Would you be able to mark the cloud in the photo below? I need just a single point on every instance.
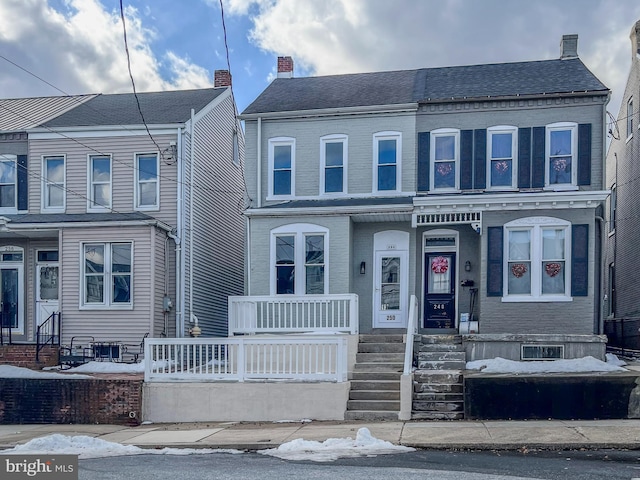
(81, 50)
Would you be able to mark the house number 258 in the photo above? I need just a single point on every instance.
(391, 318)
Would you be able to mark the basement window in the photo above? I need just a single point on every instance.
(542, 352)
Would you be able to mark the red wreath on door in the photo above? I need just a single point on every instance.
(439, 265)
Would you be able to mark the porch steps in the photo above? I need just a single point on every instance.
(375, 381)
(438, 381)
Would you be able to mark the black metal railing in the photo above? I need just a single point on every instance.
(623, 335)
(48, 333)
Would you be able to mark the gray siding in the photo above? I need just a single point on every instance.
(13, 143)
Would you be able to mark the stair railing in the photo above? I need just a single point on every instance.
(48, 332)
(412, 329)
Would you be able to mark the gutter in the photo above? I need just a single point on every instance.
(323, 112)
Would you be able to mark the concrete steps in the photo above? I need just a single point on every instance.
(438, 381)
(375, 381)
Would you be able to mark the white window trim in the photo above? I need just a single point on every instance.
(136, 183)
(337, 138)
(43, 191)
(90, 202)
(574, 156)
(536, 225)
(444, 132)
(514, 156)
(14, 158)
(630, 119)
(108, 303)
(277, 141)
(388, 135)
(298, 230)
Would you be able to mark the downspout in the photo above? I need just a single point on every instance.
(176, 239)
(599, 320)
(259, 163)
(192, 318)
(248, 257)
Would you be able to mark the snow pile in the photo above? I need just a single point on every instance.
(334, 448)
(573, 365)
(108, 367)
(90, 447)
(614, 360)
(9, 371)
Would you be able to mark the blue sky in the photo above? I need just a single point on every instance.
(77, 45)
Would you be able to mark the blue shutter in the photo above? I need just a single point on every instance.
(23, 198)
(480, 158)
(538, 157)
(423, 161)
(584, 154)
(580, 260)
(466, 159)
(524, 157)
(495, 249)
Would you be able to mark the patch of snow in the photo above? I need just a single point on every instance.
(573, 365)
(90, 447)
(108, 367)
(334, 448)
(304, 420)
(10, 371)
(614, 360)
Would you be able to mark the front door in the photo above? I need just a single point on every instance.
(440, 290)
(12, 289)
(47, 291)
(391, 278)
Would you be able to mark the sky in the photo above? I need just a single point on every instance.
(53, 47)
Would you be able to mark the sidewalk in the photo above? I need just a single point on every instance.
(477, 435)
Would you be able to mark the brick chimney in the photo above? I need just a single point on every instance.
(635, 40)
(285, 67)
(569, 47)
(221, 78)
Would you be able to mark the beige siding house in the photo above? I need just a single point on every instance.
(124, 220)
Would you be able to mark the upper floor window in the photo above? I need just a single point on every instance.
(299, 260)
(53, 183)
(333, 164)
(282, 167)
(630, 118)
(147, 186)
(501, 146)
(445, 159)
(8, 191)
(387, 148)
(107, 275)
(536, 253)
(561, 154)
(99, 182)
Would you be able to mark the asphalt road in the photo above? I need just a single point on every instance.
(432, 465)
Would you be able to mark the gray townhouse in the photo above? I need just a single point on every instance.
(622, 214)
(474, 188)
(121, 217)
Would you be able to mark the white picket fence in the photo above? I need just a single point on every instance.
(290, 357)
(290, 314)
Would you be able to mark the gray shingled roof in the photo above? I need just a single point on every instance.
(121, 109)
(18, 114)
(427, 84)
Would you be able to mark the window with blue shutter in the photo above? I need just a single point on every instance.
(580, 260)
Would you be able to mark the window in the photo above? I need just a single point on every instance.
(630, 118)
(282, 167)
(611, 290)
(445, 156)
(107, 275)
(501, 146)
(99, 182)
(561, 154)
(386, 152)
(613, 201)
(536, 253)
(147, 187)
(299, 260)
(53, 183)
(8, 191)
(333, 157)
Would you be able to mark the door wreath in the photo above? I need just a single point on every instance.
(439, 265)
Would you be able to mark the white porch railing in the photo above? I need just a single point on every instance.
(412, 329)
(291, 314)
(294, 357)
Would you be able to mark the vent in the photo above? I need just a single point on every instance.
(454, 218)
(542, 352)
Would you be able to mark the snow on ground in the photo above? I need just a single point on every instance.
(9, 371)
(614, 360)
(573, 365)
(90, 447)
(108, 367)
(333, 448)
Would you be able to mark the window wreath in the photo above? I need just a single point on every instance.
(518, 270)
(552, 268)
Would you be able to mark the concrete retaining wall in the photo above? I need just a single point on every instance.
(250, 401)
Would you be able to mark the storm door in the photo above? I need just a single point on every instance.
(11, 289)
(391, 275)
(440, 282)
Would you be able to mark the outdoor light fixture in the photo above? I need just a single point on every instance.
(363, 268)
(467, 266)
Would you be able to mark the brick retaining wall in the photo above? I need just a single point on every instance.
(24, 355)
